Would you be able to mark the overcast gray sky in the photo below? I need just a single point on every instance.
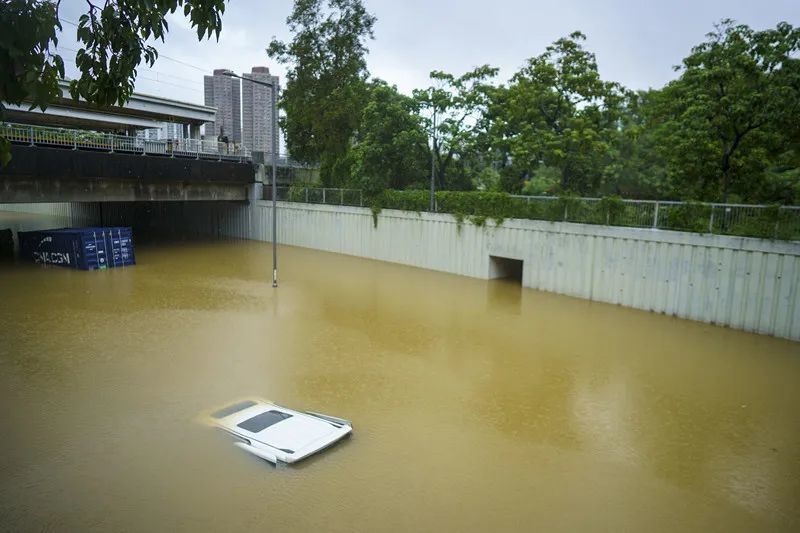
(636, 42)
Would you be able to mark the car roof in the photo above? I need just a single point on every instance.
(237, 413)
(296, 429)
(298, 434)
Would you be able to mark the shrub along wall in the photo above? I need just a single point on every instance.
(477, 207)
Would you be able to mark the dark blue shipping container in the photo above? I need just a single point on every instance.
(82, 248)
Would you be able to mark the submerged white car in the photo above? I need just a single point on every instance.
(278, 434)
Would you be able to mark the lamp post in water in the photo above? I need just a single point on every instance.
(433, 162)
(274, 128)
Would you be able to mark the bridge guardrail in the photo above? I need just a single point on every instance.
(746, 220)
(90, 140)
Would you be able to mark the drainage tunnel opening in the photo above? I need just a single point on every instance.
(505, 268)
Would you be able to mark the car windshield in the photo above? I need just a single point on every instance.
(262, 421)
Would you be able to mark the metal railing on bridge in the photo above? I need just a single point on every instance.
(90, 140)
(764, 221)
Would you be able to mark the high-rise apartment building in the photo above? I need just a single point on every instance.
(257, 110)
(224, 93)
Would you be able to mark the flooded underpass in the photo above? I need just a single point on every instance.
(477, 405)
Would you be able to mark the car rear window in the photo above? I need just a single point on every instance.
(235, 408)
(263, 421)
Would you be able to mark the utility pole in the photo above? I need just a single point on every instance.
(274, 185)
(433, 162)
(274, 128)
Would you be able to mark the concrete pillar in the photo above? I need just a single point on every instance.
(262, 173)
(260, 177)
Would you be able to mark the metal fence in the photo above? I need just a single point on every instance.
(283, 161)
(90, 140)
(767, 221)
(315, 195)
(764, 221)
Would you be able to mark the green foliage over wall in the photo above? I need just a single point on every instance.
(405, 200)
(691, 216)
(477, 207)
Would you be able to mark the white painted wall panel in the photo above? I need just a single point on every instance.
(749, 284)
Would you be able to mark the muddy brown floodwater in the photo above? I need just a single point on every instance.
(477, 406)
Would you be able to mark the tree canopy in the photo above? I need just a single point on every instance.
(729, 117)
(326, 85)
(390, 149)
(453, 108)
(557, 113)
(725, 129)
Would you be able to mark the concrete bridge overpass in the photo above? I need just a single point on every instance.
(105, 161)
(53, 174)
(101, 158)
(142, 111)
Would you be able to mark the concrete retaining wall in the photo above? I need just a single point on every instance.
(744, 283)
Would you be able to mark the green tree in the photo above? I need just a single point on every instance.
(326, 82)
(732, 113)
(113, 42)
(636, 169)
(559, 113)
(390, 149)
(29, 70)
(455, 107)
(487, 179)
(542, 181)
